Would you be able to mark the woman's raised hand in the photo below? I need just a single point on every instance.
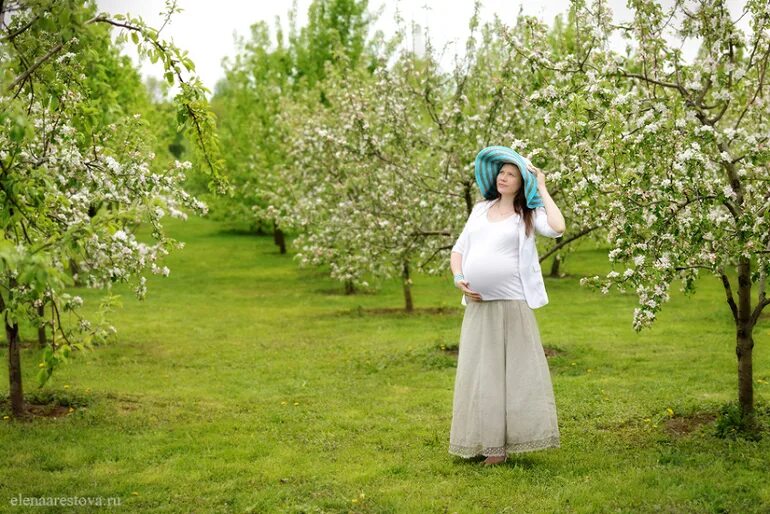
(539, 174)
(473, 295)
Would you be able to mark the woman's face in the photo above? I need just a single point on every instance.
(509, 179)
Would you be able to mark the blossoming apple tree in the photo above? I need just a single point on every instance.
(382, 175)
(77, 172)
(680, 149)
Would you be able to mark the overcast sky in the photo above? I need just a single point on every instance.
(207, 29)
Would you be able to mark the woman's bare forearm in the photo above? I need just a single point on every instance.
(555, 217)
(456, 263)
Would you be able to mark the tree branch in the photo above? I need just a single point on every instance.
(565, 242)
(729, 294)
(172, 64)
(669, 85)
(18, 31)
(758, 310)
(762, 299)
(759, 88)
(431, 233)
(24, 76)
(433, 256)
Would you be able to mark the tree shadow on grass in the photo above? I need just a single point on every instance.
(395, 312)
(336, 291)
(238, 231)
(515, 460)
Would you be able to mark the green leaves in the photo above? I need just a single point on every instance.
(18, 127)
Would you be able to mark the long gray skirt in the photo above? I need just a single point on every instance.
(503, 396)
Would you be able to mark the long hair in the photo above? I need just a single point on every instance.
(519, 201)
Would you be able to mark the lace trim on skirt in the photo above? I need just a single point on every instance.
(528, 446)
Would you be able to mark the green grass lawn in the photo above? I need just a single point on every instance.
(246, 384)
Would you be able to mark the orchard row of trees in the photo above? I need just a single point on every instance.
(368, 157)
(363, 151)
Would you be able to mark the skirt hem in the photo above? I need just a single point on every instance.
(468, 452)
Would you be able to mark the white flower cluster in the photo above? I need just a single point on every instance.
(83, 182)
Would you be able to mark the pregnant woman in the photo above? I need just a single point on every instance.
(503, 397)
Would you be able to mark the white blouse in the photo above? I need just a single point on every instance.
(490, 251)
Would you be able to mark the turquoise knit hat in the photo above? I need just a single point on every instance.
(487, 164)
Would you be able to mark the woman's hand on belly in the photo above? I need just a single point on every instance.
(473, 295)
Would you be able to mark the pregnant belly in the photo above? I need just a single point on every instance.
(493, 278)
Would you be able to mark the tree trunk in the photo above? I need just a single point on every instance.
(349, 287)
(41, 340)
(278, 238)
(407, 288)
(743, 349)
(14, 370)
(558, 260)
(14, 362)
(73, 266)
(745, 339)
(468, 195)
(555, 265)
